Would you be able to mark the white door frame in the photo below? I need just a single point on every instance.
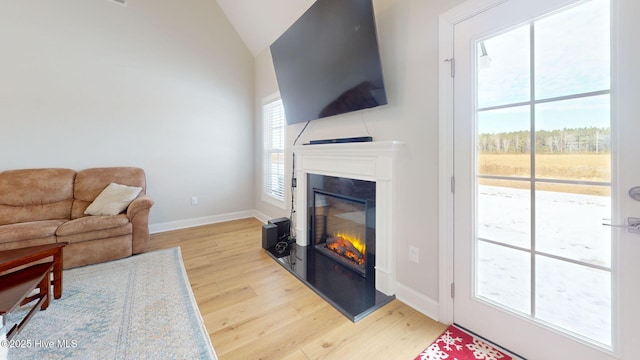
(448, 21)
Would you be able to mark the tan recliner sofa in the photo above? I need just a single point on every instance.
(43, 206)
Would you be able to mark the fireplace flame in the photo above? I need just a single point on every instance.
(354, 240)
(348, 246)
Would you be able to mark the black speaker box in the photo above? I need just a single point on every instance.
(283, 227)
(269, 236)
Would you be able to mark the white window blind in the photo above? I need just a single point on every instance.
(274, 133)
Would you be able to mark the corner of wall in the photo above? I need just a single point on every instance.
(418, 301)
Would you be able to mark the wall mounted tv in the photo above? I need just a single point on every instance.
(328, 63)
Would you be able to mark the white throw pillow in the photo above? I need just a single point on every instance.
(113, 199)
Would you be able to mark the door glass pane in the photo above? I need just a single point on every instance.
(503, 68)
(504, 212)
(574, 297)
(573, 139)
(504, 142)
(572, 51)
(569, 224)
(504, 276)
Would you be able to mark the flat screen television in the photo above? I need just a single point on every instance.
(328, 63)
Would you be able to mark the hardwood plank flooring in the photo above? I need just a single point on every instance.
(255, 309)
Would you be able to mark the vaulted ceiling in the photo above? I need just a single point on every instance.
(261, 22)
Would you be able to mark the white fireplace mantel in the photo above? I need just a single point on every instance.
(372, 161)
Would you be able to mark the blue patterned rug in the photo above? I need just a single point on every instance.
(140, 307)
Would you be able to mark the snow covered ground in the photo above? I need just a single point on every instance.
(568, 295)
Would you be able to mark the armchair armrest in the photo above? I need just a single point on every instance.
(142, 202)
(138, 214)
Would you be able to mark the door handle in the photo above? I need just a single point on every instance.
(633, 225)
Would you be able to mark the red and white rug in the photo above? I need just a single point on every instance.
(456, 344)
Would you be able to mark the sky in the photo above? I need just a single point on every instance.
(572, 56)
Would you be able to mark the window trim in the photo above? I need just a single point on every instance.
(266, 150)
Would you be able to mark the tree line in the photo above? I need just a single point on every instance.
(561, 141)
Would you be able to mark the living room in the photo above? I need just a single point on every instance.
(173, 88)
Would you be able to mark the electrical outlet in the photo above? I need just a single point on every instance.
(194, 200)
(414, 254)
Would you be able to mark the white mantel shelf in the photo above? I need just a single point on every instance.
(372, 161)
(364, 147)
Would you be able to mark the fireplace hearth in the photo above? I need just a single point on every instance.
(346, 290)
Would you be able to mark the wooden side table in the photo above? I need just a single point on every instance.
(11, 259)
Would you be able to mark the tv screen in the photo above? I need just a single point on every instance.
(327, 63)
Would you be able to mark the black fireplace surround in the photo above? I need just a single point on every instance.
(340, 211)
(343, 213)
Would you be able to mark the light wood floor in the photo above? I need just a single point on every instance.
(255, 309)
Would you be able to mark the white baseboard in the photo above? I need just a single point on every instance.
(206, 220)
(418, 301)
(261, 216)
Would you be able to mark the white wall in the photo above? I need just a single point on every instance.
(408, 37)
(163, 85)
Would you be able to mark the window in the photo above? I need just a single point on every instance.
(274, 135)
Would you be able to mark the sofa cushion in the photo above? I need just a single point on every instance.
(113, 200)
(29, 230)
(35, 194)
(125, 231)
(91, 223)
(89, 184)
(90, 228)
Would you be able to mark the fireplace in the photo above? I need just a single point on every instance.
(371, 161)
(351, 185)
(342, 224)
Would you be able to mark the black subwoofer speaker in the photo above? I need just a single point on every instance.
(269, 236)
(283, 227)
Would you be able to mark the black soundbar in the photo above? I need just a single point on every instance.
(341, 140)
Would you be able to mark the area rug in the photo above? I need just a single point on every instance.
(141, 307)
(456, 344)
